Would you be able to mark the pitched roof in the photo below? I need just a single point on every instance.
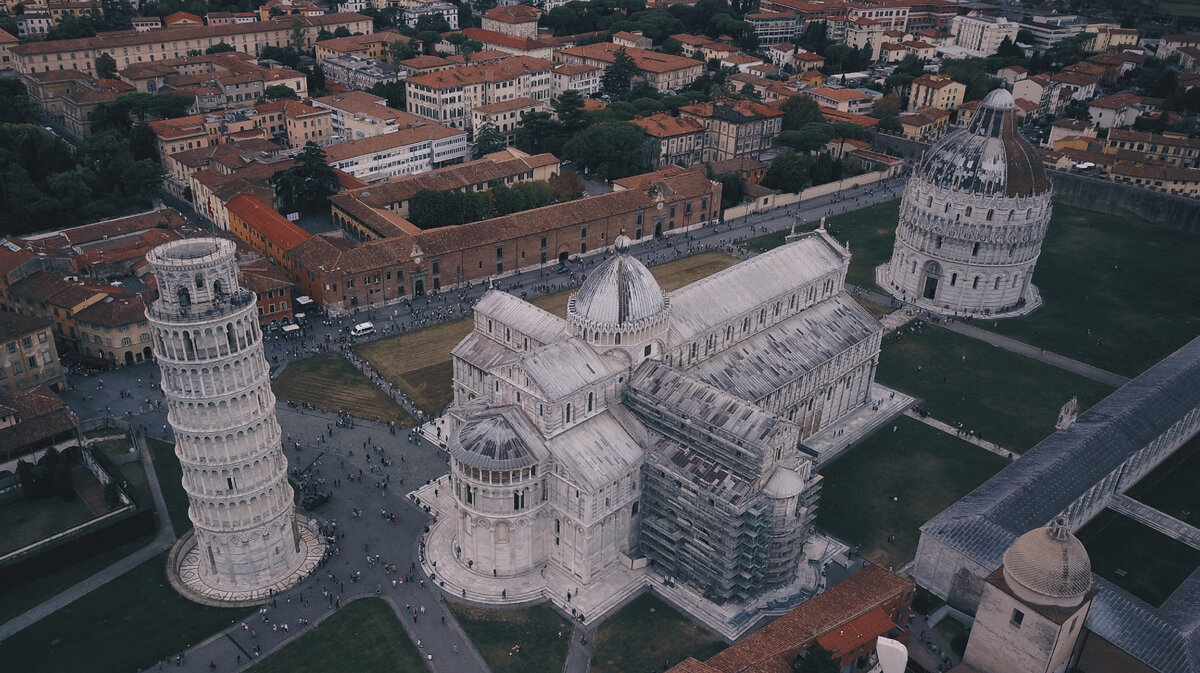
(650, 61)
(493, 71)
(663, 125)
(389, 141)
(513, 14)
(275, 228)
(14, 325)
(41, 413)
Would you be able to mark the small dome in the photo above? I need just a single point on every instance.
(620, 291)
(990, 157)
(495, 440)
(1051, 564)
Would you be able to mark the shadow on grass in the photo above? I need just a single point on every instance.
(541, 634)
(647, 633)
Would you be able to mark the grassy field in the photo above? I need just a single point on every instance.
(647, 633)
(364, 637)
(870, 232)
(1171, 487)
(1114, 295)
(535, 629)
(170, 481)
(1004, 397)
(925, 469)
(128, 624)
(419, 361)
(27, 521)
(1137, 558)
(330, 381)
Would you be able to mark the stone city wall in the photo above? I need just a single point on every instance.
(784, 199)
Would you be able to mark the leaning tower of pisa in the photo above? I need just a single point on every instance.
(247, 539)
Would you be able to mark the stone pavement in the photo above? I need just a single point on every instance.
(849, 431)
(951, 430)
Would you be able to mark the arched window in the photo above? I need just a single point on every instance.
(618, 338)
(968, 211)
(199, 282)
(975, 250)
(591, 399)
(185, 297)
(990, 214)
(938, 242)
(997, 284)
(953, 279)
(568, 412)
(975, 283)
(218, 291)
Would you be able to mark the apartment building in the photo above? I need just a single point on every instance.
(1171, 148)
(68, 97)
(735, 128)
(773, 27)
(412, 149)
(28, 357)
(680, 139)
(505, 116)
(863, 32)
(115, 329)
(271, 286)
(1111, 37)
(358, 114)
(263, 229)
(936, 91)
(852, 101)
(662, 71)
(215, 80)
(982, 33)
(515, 20)
(413, 13)
(375, 46)
(448, 96)
(574, 76)
(355, 71)
(130, 47)
(292, 122)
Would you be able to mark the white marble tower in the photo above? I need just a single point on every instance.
(247, 540)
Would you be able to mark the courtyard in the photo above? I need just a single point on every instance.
(649, 634)
(1171, 487)
(533, 639)
(419, 362)
(1137, 558)
(1004, 397)
(893, 482)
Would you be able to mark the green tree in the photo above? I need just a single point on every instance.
(788, 172)
(1077, 109)
(817, 659)
(539, 132)
(298, 39)
(392, 91)
(402, 50)
(612, 150)
(25, 475)
(8, 25)
(220, 48)
(520, 197)
(815, 36)
(566, 186)
(799, 111)
(106, 66)
(671, 46)
(434, 22)
(568, 108)
(279, 91)
(488, 139)
(429, 40)
(618, 76)
(341, 31)
(15, 105)
(430, 209)
(811, 137)
(733, 189)
(308, 185)
(63, 483)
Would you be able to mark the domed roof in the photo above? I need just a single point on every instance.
(497, 439)
(1049, 562)
(620, 291)
(990, 157)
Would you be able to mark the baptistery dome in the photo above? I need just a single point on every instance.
(972, 220)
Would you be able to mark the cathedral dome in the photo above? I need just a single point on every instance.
(500, 439)
(620, 291)
(1049, 566)
(989, 157)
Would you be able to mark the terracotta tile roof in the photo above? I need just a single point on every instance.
(691, 665)
(55, 288)
(275, 228)
(934, 81)
(425, 62)
(650, 61)
(12, 255)
(493, 71)
(114, 312)
(176, 17)
(15, 325)
(1118, 135)
(736, 111)
(513, 14)
(42, 414)
(846, 638)
(855, 596)
(1155, 171)
(506, 40)
(261, 275)
(495, 166)
(1073, 78)
(831, 115)
(389, 141)
(663, 125)
(573, 68)
(369, 105)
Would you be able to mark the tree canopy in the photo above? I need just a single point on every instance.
(308, 185)
(618, 76)
(488, 139)
(612, 150)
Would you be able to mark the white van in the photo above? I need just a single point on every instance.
(362, 328)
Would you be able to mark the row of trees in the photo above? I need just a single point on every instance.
(50, 475)
(793, 172)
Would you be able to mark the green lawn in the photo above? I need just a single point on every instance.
(926, 469)
(364, 637)
(330, 381)
(1004, 397)
(1137, 558)
(1121, 320)
(647, 633)
(27, 521)
(29, 596)
(130, 623)
(170, 481)
(1171, 487)
(870, 233)
(536, 629)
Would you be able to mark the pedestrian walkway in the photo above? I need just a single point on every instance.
(1039, 354)
(951, 430)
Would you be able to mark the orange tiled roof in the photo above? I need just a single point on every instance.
(663, 125)
(275, 228)
(842, 640)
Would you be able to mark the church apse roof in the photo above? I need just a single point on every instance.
(597, 452)
(564, 367)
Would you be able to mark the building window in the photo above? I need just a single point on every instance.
(975, 250)
(499, 252)
(1017, 617)
(953, 279)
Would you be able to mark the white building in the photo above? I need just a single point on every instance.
(355, 71)
(446, 10)
(982, 33)
(358, 114)
(972, 220)
(582, 78)
(448, 96)
(506, 116)
(413, 149)
(247, 540)
(580, 443)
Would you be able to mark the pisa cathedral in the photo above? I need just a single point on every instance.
(248, 539)
(654, 426)
(972, 220)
